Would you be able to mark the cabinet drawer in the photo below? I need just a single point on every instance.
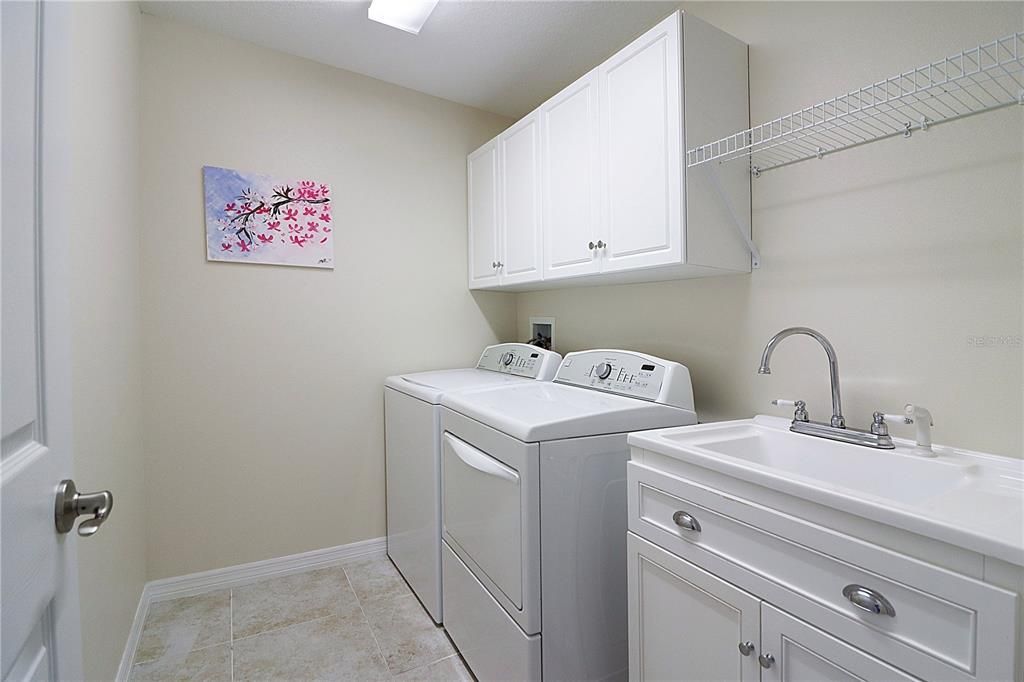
(939, 617)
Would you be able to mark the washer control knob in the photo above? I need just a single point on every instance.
(604, 370)
(507, 358)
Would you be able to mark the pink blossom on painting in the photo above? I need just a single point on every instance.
(265, 238)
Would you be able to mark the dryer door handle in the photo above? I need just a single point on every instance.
(479, 460)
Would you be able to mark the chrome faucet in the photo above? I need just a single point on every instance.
(877, 437)
(833, 366)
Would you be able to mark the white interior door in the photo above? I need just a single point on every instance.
(40, 637)
(569, 195)
(641, 151)
(519, 158)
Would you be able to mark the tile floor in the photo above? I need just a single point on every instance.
(356, 620)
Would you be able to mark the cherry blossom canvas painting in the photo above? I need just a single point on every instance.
(254, 218)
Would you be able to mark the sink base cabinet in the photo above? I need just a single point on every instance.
(682, 618)
(687, 624)
(711, 570)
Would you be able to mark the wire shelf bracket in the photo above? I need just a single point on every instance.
(980, 79)
(742, 226)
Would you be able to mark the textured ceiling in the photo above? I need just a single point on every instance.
(498, 55)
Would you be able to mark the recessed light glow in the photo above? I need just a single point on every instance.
(407, 15)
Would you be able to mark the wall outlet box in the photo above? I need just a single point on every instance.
(543, 326)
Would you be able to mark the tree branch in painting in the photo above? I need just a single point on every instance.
(254, 216)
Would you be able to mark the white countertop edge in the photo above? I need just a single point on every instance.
(875, 510)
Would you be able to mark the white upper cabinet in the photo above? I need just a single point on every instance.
(641, 151)
(482, 172)
(519, 255)
(615, 203)
(569, 134)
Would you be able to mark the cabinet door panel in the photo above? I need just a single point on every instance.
(641, 152)
(570, 171)
(684, 623)
(482, 172)
(804, 653)
(519, 158)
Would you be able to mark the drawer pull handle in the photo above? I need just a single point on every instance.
(746, 648)
(684, 520)
(868, 600)
(766, 660)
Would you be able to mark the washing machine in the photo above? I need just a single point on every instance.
(534, 514)
(412, 442)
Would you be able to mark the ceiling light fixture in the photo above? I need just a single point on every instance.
(407, 15)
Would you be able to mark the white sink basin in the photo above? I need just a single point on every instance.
(885, 474)
(971, 498)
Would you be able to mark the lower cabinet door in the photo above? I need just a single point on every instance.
(686, 624)
(798, 652)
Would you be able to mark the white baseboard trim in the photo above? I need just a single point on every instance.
(234, 576)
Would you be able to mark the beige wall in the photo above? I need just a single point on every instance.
(900, 252)
(262, 392)
(106, 343)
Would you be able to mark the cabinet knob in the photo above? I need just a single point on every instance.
(766, 660)
(494, 264)
(868, 600)
(685, 520)
(601, 244)
(746, 648)
(592, 246)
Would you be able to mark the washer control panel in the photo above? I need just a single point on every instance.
(613, 371)
(519, 359)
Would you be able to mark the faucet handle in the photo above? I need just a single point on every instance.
(800, 412)
(897, 418)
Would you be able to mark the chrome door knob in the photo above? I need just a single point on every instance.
(746, 648)
(71, 504)
(604, 370)
(766, 660)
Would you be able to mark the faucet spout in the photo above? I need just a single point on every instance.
(838, 420)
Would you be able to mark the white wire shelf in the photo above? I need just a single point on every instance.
(983, 78)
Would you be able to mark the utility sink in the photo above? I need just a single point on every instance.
(884, 474)
(955, 494)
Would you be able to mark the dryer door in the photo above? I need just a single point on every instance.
(489, 506)
(483, 514)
